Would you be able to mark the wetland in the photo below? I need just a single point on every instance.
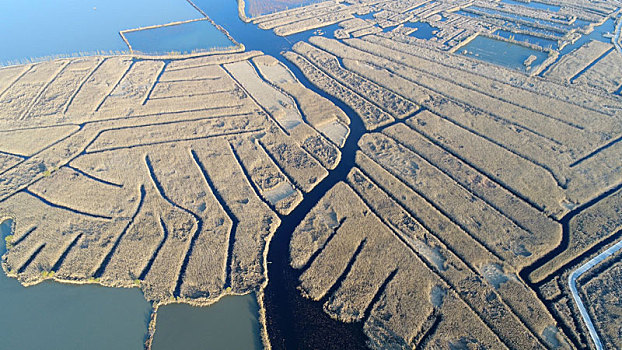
(287, 192)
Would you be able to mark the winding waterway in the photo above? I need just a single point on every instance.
(294, 322)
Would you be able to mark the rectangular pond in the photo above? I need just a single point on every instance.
(511, 24)
(183, 38)
(501, 53)
(41, 28)
(230, 323)
(513, 16)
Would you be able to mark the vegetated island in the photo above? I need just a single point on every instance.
(169, 176)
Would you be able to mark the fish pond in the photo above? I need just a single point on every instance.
(182, 38)
(502, 53)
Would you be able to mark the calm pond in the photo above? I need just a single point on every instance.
(52, 315)
(184, 38)
(231, 323)
(501, 53)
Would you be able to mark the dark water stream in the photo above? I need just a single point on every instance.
(294, 322)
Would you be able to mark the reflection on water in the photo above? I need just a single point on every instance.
(501, 53)
(51, 315)
(231, 323)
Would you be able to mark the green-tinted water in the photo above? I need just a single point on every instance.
(57, 316)
(231, 323)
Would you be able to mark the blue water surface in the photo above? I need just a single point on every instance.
(534, 5)
(184, 38)
(231, 323)
(531, 39)
(36, 29)
(424, 30)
